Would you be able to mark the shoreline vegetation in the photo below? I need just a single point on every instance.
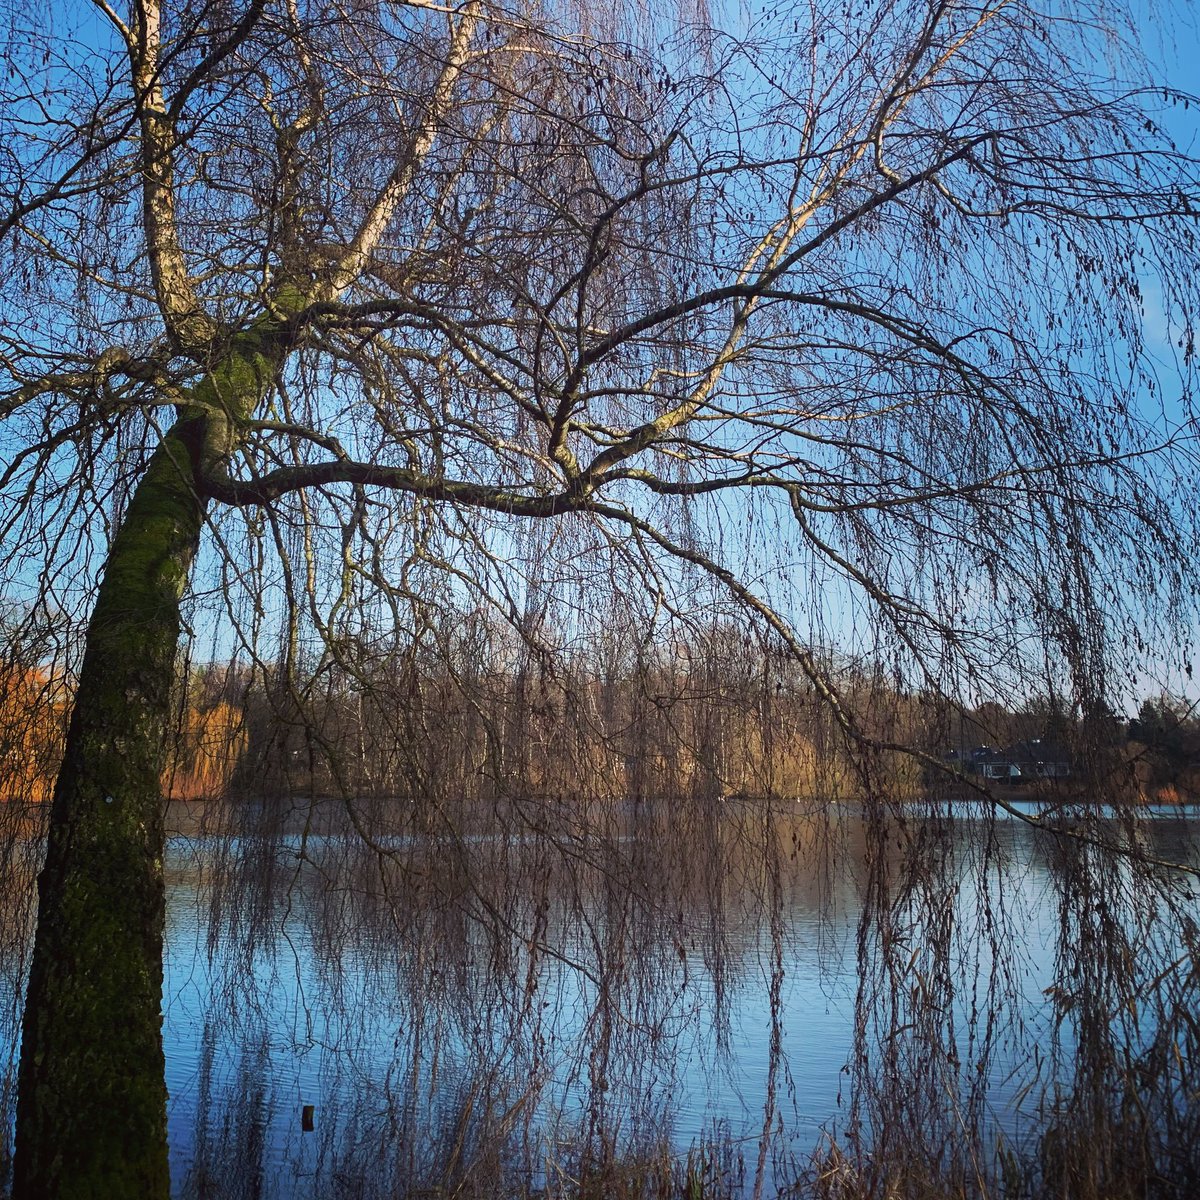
(708, 720)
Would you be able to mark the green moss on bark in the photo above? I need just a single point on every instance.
(92, 1099)
(91, 1115)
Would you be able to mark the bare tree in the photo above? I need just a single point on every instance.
(831, 317)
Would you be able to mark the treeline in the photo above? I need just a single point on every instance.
(486, 713)
(35, 704)
(480, 712)
(1164, 749)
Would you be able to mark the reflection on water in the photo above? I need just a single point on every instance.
(522, 1000)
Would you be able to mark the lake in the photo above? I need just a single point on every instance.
(524, 1000)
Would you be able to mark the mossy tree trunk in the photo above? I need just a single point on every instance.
(91, 1110)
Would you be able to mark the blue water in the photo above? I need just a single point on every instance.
(695, 986)
(319, 1009)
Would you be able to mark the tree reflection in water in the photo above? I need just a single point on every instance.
(616, 999)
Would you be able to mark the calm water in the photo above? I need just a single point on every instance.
(490, 1002)
(650, 1020)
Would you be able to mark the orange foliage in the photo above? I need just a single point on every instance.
(209, 747)
(32, 707)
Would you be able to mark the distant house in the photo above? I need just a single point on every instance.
(996, 765)
(1041, 760)
(1022, 762)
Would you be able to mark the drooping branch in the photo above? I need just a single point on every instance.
(827, 688)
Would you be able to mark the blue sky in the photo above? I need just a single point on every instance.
(1170, 36)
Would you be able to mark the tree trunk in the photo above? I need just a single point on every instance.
(91, 1104)
(91, 1114)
